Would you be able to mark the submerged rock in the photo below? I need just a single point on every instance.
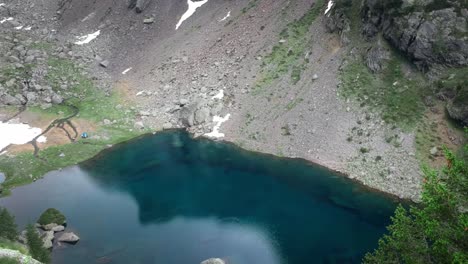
(213, 261)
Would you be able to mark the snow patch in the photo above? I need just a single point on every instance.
(18, 134)
(88, 17)
(329, 7)
(219, 121)
(192, 7)
(27, 28)
(126, 70)
(224, 18)
(219, 95)
(6, 19)
(87, 38)
(19, 27)
(2, 4)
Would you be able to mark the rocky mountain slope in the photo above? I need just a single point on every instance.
(280, 77)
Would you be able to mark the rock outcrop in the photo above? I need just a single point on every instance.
(428, 32)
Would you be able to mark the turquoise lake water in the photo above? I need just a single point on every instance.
(170, 199)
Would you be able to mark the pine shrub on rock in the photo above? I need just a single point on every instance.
(7, 225)
(36, 247)
(52, 215)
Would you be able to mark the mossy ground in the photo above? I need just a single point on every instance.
(290, 56)
(93, 104)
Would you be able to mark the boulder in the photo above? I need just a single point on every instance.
(68, 237)
(141, 5)
(49, 227)
(58, 228)
(139, 125)
(458, 110)
(47, 239)
(213, 261)
(187, 114)
(202, 115)
(376, 57)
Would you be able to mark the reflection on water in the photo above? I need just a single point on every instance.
(170, 199)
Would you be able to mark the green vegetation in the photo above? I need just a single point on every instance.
(8, 261)
(52, 215)
(93, 104)
(8, 244)
(250, 5)
(397, 97)
(437, 230)
(36, 247)
(7, 225)
(289, 56)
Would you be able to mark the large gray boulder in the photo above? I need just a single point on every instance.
(376, 58)
(69, 237)
(47, 239)
(458, 110)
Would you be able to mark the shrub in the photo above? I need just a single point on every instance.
(52, 215)
(7, 225)
(36, 247)
(6, 260)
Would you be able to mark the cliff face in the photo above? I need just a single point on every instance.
(432, 34)
(429, 32)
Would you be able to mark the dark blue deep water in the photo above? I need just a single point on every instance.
(170, 199)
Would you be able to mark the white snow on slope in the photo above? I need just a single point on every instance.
(18, 134)
(219, 121)
(87, 38)
(5, 20)
(126, 70)
(219, 95)
(224, 18)
(192, 7)
(329, 7)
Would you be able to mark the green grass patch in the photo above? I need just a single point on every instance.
(4, 243)
(397, 97)
(290, 56)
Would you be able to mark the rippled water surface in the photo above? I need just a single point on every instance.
(170, 199)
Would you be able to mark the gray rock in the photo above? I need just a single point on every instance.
(376, 58)
(49, 227)
(106, 122)
(434, 151)
(149, 20)
(29, 59)
(139, 125)
(213, 261)
(187, 114)
(202, 115)
(141, 5)
(69, 237)
(58, 228)
(167, 126)
(104, 63)
(183, 102)
(145, 113)
(314, 77)
(13, 59)
(458, 109)
(47, 239)
(31, 96)
(57, 99)
(7, 99)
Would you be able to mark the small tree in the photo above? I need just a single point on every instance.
(436, 231)
(36, 247)
(7, 225)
